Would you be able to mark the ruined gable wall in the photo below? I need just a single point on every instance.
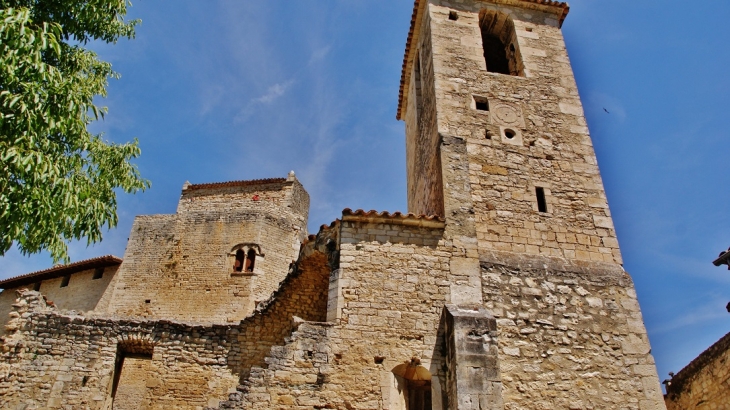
(552, 150)
(184, 265)
(705, 382)
(145, 258)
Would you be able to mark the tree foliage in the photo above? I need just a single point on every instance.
(58, 181)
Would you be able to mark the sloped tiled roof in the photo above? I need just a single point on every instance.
(415, 18)
(237, 183)
(59, 271)
(396, 217)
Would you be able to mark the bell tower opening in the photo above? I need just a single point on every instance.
(499, 42)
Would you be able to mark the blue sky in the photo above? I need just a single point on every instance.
(224, 90)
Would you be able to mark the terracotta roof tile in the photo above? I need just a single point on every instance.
(387, 215)
(236, 183)
(417, 4)
(60, 270)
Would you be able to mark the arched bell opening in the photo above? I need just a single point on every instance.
(499, 40)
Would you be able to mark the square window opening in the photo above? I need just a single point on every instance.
(98, 273)
(65, 280)
(481, 103)
(453, 15)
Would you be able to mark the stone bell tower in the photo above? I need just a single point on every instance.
(497, 144)
(496, 136)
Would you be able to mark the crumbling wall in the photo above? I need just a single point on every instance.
(54, 360)
(705, 382)
(303, 294)
(392, 288)
(50, 360)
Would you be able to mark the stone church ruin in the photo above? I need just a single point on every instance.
(501, 288)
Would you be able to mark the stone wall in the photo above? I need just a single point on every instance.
(181, 266)
(392, 289)
(52, 360)
(705, 382)
(550, 147)
(425, 188)
(570, 335)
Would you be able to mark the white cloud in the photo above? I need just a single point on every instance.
(274, 92)
(319, 54)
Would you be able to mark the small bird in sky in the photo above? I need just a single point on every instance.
(604, 109)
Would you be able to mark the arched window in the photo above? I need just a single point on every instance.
(416, 386)
(499, 41)
(243, 257)
(250, 259)
(240, 259)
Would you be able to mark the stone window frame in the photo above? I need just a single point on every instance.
(246, 248)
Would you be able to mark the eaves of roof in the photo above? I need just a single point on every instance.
(59, 271)
(236, 183)
(561, 9)
(398, 218)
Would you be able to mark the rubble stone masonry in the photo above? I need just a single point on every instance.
(503, 289)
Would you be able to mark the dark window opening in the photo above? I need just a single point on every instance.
(240, 258)
(147, 300)
(481, 103)
(541, 202)
(509, 134)
(250, 259)
(98, 273)
(488, 135)
(499, 41)
(65, 280)
(494, 55)
(453, 15)
(37, 287)
(529, 29)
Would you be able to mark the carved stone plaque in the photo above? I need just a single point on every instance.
(507, 114)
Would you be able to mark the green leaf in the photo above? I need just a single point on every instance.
(58, 182)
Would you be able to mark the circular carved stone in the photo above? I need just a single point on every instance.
(506, 114)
